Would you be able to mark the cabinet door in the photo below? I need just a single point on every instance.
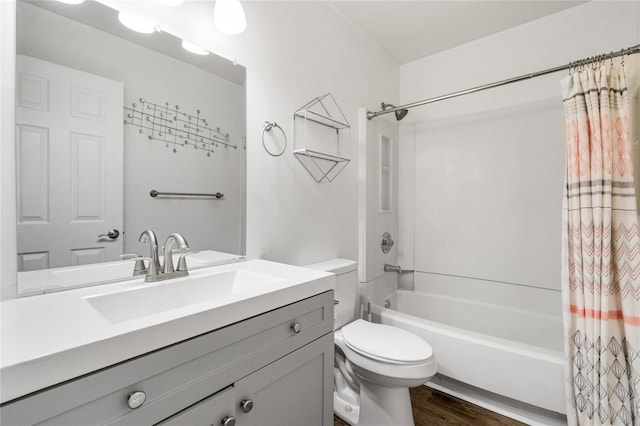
(295, 390)
(211, 411)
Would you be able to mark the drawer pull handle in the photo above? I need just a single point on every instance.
(229, 421)
(136, 399)
(296, 327)
(246, 405)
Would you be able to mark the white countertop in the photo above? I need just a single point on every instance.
(43, 281)
(50, 338)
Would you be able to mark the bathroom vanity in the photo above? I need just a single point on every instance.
(260, 356)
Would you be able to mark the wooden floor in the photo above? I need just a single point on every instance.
(434, 408)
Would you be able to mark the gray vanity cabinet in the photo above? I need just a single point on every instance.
(272, 369)
(290, 391)
(287, 392)
(218, 409)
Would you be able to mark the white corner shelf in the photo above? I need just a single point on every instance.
(319, 143)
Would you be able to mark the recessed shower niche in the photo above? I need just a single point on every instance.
(386, 169)
(321, 138)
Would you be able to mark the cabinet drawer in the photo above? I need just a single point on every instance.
(291, 391)
(212, 411)
(177, 376)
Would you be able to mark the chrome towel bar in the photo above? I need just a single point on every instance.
(155, 193)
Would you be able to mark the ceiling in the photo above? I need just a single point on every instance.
(410, 30)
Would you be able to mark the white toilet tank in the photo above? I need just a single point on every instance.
(346, 291)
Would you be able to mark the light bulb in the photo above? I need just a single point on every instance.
(193, 48)
(228, 16)
(136, 24)
(171, 3)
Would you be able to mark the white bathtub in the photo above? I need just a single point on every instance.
(511, 352)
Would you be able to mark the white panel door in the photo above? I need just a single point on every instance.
(69, 165)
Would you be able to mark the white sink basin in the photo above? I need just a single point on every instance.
(154, 298)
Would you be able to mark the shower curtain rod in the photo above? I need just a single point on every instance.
(629, 51)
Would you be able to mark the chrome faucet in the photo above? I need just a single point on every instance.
(167, 271)
(167, 267)
(154, 264)
(392, 268)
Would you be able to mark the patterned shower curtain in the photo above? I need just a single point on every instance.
(601, 252)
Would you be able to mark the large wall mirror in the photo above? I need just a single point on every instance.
(106, 115)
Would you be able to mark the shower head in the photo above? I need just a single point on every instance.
(400, 114)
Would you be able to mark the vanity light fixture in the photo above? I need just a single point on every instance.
(136, 24)
(228, 17)
(193, 48)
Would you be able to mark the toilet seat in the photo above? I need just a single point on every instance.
(385, 343)
(377, 366)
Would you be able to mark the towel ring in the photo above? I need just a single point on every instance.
(267, 128)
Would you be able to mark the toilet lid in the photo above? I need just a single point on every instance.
(385, 342)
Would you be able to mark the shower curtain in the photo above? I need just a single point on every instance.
(601, 252)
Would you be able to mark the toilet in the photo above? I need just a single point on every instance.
(374, 364)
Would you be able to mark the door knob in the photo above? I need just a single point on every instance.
(113, 234)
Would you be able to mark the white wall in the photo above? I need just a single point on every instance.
(485, 171)
(377, 216)
(376, 219)
(206, 223)
(309, 51)
(293, 51)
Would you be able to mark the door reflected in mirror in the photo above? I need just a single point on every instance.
(104, 116)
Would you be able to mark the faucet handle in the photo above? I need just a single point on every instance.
(182, 261)
(128, 256)
(139, 268)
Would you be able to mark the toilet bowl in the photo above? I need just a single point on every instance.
(375, 364)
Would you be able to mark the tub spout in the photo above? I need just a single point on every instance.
(392, 268)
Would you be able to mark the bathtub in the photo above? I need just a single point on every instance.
(511, 352)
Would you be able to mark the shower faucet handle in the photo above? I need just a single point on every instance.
(386, 243)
